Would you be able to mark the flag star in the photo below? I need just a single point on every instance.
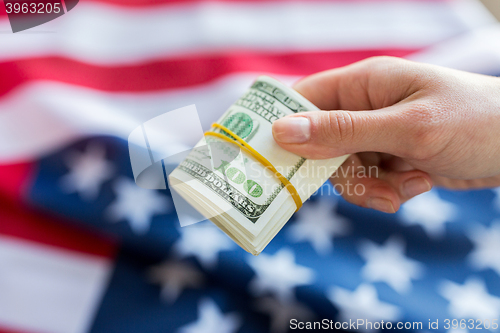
(174, 277)
(281, 313)
(136, 205)
(470, 300)
(486, 253)
(204, 241)
(278, 274)
(319, 224)
(430, 211)
(362, 303)
(212, 320)
(388, 263)
(87, 172)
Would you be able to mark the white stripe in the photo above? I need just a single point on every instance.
(478, 52)
(103, 34)
(43, 289)
(42, 116)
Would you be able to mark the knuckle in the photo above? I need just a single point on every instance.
(381, 61)
(426, 123)
(341, 126)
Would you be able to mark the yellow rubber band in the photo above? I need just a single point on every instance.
(243, 144)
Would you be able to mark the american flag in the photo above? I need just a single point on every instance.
(83, 249)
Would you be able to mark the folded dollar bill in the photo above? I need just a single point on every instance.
(232, 186)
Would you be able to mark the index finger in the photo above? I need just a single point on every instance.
(370, 84)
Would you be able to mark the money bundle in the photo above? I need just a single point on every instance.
(240, 179)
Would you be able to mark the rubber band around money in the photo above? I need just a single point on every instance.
(243, 144)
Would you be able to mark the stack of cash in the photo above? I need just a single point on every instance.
(232, 187)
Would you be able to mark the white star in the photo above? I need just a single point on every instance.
(281, 313)
(174, 277)
(497, 197)
(362, 303)
(136, 205)
(204, 241)
(87, 172)
(388, 263)
(486, 253)
(278, 274)
(318, 224)
(430, 211)
(470, 300)
(212, 320)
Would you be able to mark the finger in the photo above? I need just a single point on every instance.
(360, 189)
(408, 184)
(326, 134)
(395, 163)
(370, 84)
(466, 184)
(372, 187)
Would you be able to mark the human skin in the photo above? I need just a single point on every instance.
(420, 124)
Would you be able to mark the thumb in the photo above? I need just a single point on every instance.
(327, 134)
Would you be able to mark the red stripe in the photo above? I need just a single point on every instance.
(155, 3)
(150, 3)
(142, 3)
(176, 73)
(18, 221)
(8, 330)
(3, 14)
(14, 179)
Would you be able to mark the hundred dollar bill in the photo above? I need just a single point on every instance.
(229, 186)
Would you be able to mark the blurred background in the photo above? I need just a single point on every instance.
(83, 249)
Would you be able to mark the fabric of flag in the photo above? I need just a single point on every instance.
(83, 249)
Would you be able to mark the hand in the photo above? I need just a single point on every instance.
(417, 124)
